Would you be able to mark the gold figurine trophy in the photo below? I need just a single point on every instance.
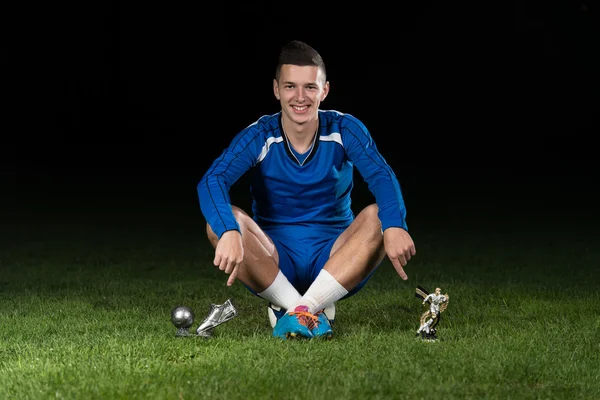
(431, 318)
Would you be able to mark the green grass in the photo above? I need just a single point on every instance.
(85, 302)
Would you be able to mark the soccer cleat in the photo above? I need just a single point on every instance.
(322, 328)
(296, 324)
(330, 312)
(275, 313)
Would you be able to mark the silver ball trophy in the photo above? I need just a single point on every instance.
(182, 317)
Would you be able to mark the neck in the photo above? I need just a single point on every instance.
(299, 131)
(300, 136)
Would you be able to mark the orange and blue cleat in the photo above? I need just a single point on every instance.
(297, 324)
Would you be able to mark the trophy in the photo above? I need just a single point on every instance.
(430, 319)
(217, 315)
(182, 317)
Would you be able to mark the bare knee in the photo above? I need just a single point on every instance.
(371, 223)
(371, 213)
(240, 216)
(212, 236)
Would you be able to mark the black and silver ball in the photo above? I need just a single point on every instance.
(182, 317)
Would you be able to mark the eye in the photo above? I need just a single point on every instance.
(289, 86)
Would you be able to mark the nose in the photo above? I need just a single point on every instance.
(300, 94)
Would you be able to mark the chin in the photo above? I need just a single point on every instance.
(303, 118)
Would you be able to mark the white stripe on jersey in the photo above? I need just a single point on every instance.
(332, 137)
(266, 147)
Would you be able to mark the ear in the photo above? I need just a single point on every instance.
(325, 91)
(276, 89)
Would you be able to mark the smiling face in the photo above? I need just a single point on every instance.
(300, 90)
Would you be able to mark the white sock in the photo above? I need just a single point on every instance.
(281, 293)
(323, 292)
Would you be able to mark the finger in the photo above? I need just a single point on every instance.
(403, 260)
(398, 266)
(402, 274)
(217, 260)
(230, 267)
(223, 265)
(413, 250)
(232, 277)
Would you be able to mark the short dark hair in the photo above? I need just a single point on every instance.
(299, 53)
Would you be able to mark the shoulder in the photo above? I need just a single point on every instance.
(346, 123)
(267, 124)
(258, 132)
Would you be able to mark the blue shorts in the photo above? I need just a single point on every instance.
(303, 253)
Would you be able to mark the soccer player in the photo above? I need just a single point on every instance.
(436, 300)
(303, 249)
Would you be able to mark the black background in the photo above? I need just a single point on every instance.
(472, 105)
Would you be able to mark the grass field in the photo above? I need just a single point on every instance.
(86, 294)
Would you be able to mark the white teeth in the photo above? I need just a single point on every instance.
(300, 108)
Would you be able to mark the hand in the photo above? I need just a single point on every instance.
(229, 254)
(399, 247)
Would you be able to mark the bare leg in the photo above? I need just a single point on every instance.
(260, 265)
(354, 255)
(358, 250)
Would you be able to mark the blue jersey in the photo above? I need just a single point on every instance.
(289, 191)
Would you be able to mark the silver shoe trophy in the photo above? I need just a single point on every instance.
(217, 315)
(182, 317)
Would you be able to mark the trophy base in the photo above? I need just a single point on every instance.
(182, 332)
(205, 334)
(429, 338)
